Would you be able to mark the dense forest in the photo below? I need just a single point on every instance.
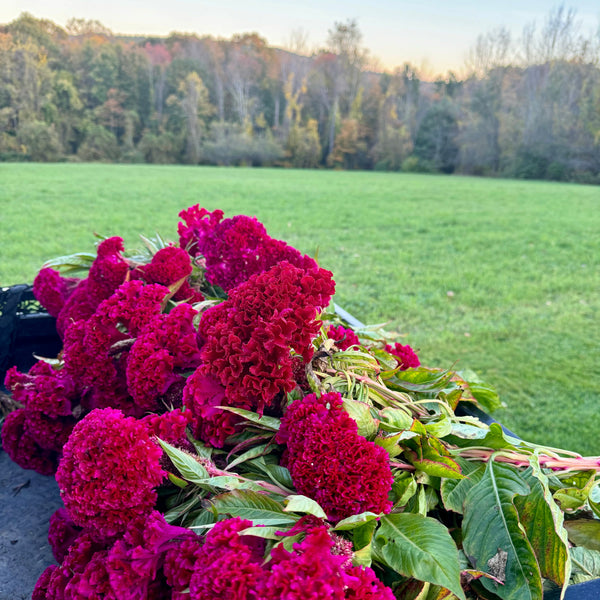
(527, 108)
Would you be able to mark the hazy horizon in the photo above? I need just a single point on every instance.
(432, 35)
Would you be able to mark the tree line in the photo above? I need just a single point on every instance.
(527, 108)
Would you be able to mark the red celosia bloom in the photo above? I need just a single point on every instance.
(248, 338)
(228, 565)
(330, 462)
(62, 533)
(179, 566)
(405, 355)
(170, 426)
(108, 271)
(344, 337)
(362, 584)
(167, 347)
(236, 248)
(51, 290)
(168, 266)
(92, 581)
(108, 472)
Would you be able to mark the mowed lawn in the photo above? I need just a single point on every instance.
(498, 276)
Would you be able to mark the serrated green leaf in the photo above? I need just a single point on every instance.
(270, 423)
(303, 504)
(355, 521)
(584, 532)
(492, 531)
(249, 454)
(419, 547)
(543, 522)
(189, 468)
(258, 508)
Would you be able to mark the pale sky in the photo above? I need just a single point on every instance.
(435, 34)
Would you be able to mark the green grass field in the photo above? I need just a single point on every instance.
(501, 277)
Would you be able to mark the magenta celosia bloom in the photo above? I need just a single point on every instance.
(52, 291)
(248, 338)
(234, 249)
(159, 356)
(170, 426)
(405, 355)
(179, 566)
(135, 562)
(108, 271)
(108, 472)
(228, 565)
(92, 581)
(330, 462)
(362, 584)
(344, 337)
(22, 447)
(40, 590)
(77, 307)
(62, 533)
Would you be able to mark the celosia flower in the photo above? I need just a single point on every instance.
(62, 533)
(51, 290)
(344, 337)
(234, 249)
(22, 448)
(168, 266)
(166, 349)
(40, 590)
(228, 565)
(108, 472)
(249, 337)
(330, 462)
(405, 355)
(108, 271)
(77, 307)
(179, 566)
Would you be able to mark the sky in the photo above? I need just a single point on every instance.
(434, 35)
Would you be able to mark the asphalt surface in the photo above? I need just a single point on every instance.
(27, 501)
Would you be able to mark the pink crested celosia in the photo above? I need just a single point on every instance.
(405, 355)
(40, 590)
(166, 349)
(179, 566)
(236, 248)
(169, 266)
(170, 426)
(62, 533)
(330, 462)
(108, 472)
(52, 291)
(343, 337)
(22, 448)
(108, 271)
(248, 339)
(135, 562)
(228, 565)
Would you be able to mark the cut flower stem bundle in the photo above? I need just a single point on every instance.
(217, 431)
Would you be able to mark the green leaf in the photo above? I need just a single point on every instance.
(303, 504)
(267, 533)
(420, 380)
(189, 468)
(258, 508)
(425, 455)
(419, 547)
(249, 454)
(404, 488)
(361, 413)
(270, 423)
(394, 419)
(543, 522)
(486, 396)
(586, 564)
(72, 263)
(180, 483)
(390, 443)
(439, 428)
(454, 491)
(495, 438)
(230, 482)
(362, 540)
(355, 521)
(584, 532)
(575, 496)
(493, 537)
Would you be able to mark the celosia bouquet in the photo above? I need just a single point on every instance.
(218, 433)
